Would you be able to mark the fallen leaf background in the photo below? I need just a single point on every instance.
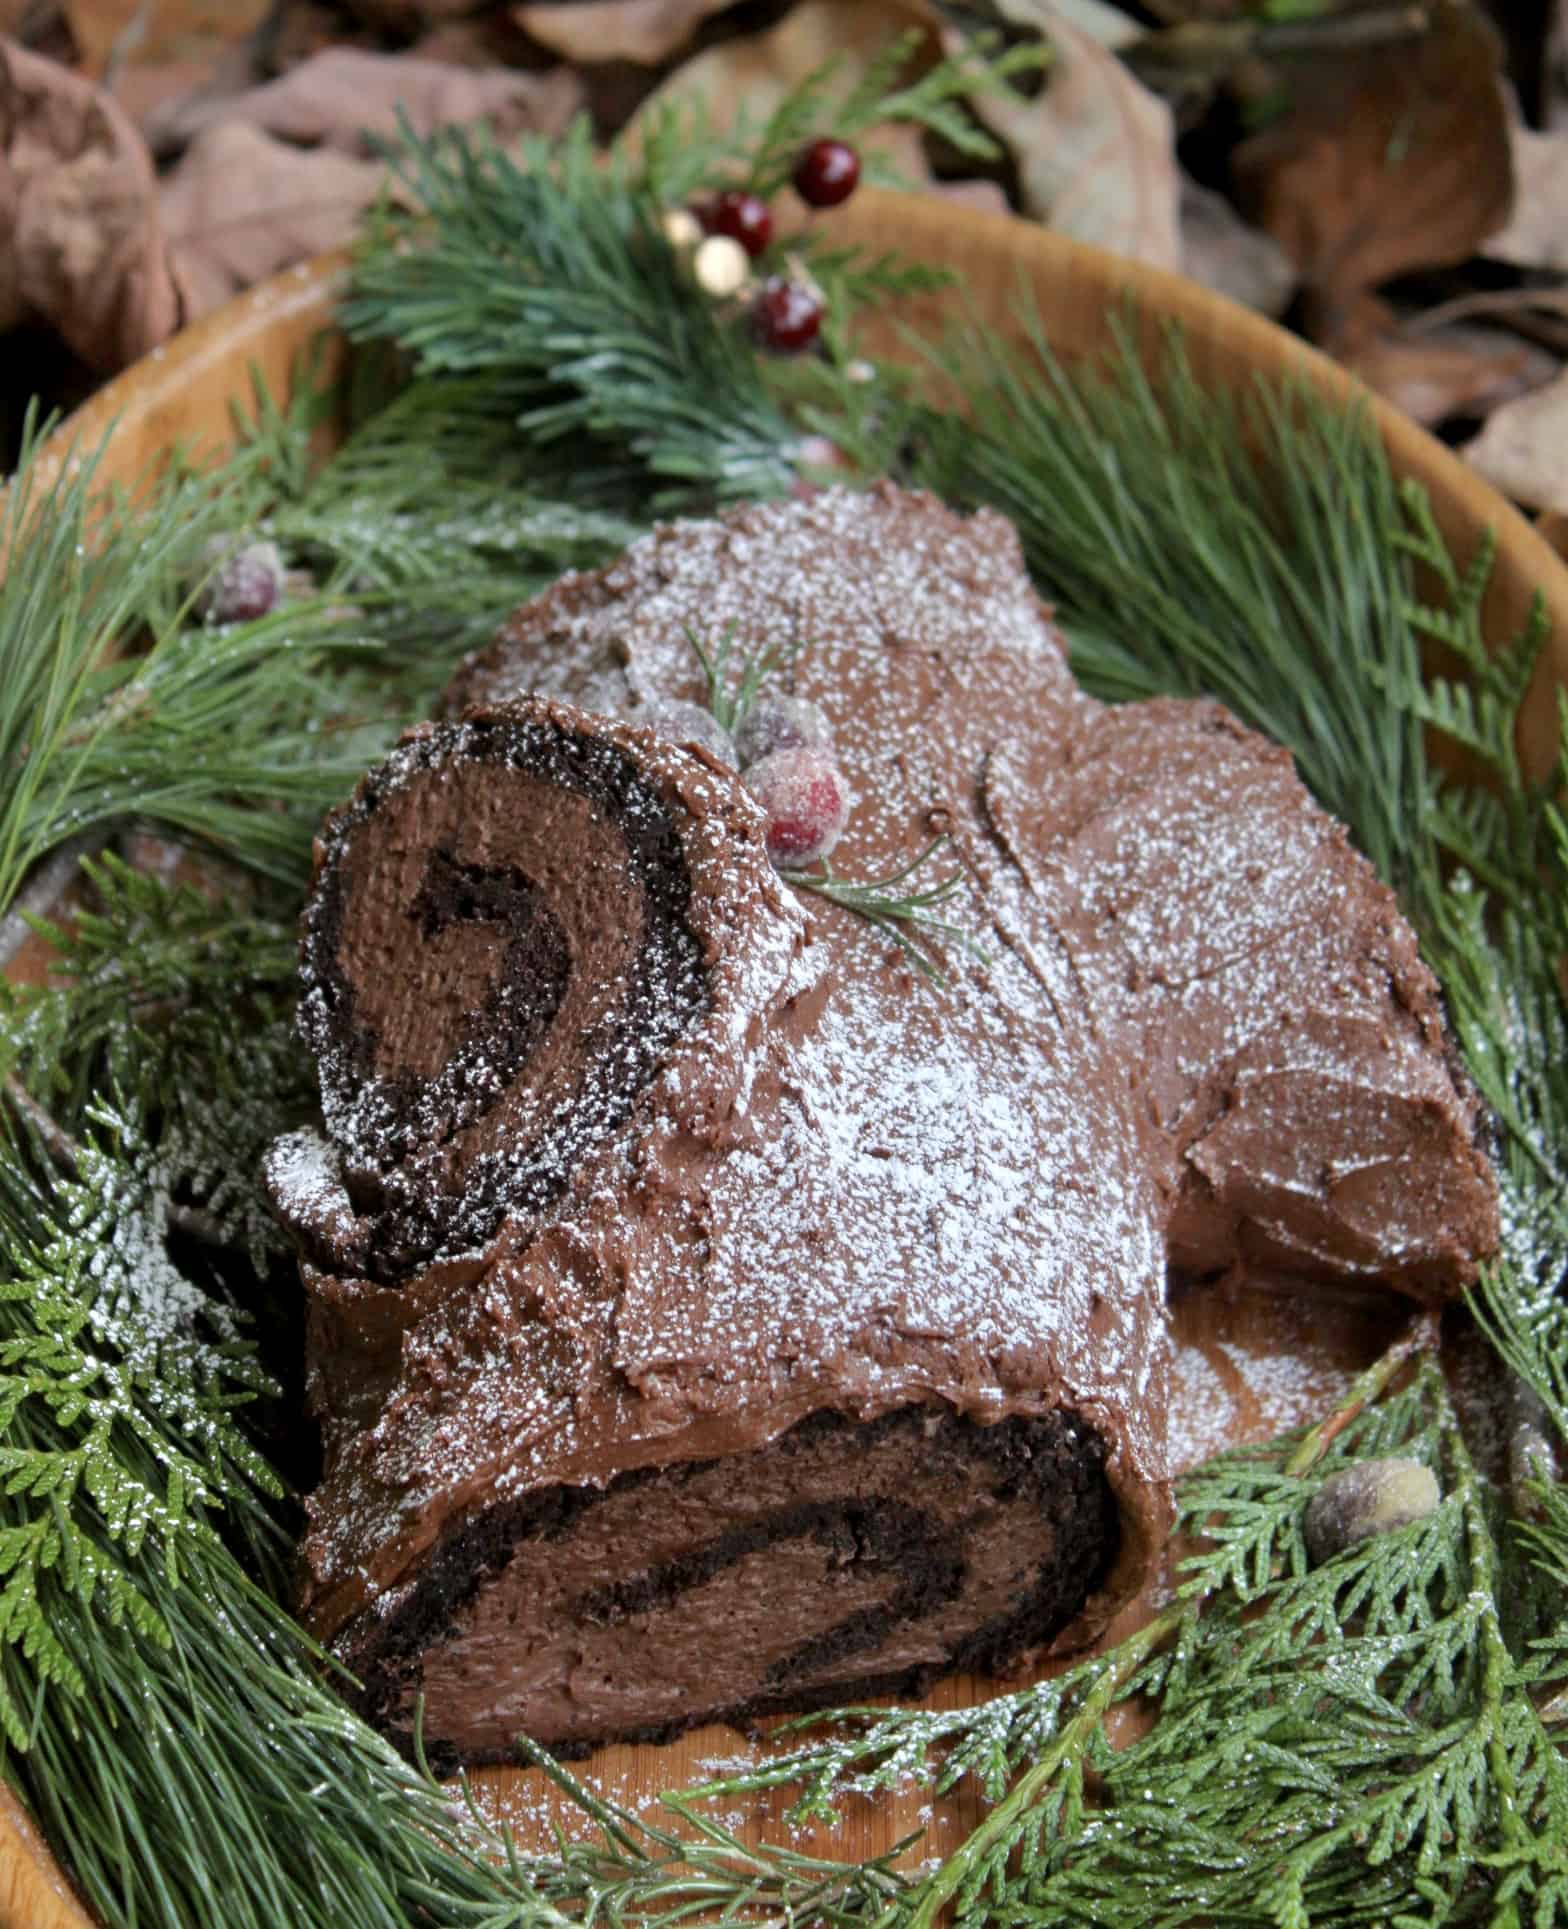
(1387, 177)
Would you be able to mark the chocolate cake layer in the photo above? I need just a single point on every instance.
(838, 1562)
(497, 958)
(1193, 1031)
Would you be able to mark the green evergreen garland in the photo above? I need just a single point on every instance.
(1379, 1739)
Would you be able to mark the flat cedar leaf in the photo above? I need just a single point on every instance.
(79, 237)
(643, 31)
(1386, 163)
(1095, 149)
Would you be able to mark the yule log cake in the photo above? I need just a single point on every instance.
(708, 1314)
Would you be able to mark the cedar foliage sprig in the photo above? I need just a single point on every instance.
(1331, 1741)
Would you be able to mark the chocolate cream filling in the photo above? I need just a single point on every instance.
(838, 1562)
(497, 959)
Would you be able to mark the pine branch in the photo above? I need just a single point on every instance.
(116, 708)
(549, 277)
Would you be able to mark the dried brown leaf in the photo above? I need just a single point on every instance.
(241, 206)
(153, 31)
(1523, 450)
(1536, 235)
(1095, 151)
(1222, 251)
(756, 72)
(1385, 164)
(487, 40)
(81, 235)
(343, 96)
(1554, 71)
(13, 305)
(644, 31)
(150, 91)
(408, 17)
(1457, 370)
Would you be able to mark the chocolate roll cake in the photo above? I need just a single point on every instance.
(708, 1314)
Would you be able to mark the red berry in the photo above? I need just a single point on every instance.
(807, 803)
(743, 217)
(826, 173)
(786, 315)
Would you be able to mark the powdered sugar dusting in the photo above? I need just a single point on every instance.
(1196, 1027)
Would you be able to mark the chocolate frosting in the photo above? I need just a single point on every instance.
(1194, 1032)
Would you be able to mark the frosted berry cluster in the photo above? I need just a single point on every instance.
(725, 233)
(783, 748)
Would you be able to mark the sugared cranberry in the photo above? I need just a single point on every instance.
(690, 724)
(781, 723)
(786, 315)
(807, 803)
(743, 217)
(826, 173)
(239, 580)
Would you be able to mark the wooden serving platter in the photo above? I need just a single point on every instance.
(1254, 1359)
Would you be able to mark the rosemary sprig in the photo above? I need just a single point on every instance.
(881, 902)
(731, 706)
(907, 916)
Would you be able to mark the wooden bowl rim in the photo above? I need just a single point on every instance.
(924, 226)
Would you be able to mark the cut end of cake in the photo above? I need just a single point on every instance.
(842, 1560)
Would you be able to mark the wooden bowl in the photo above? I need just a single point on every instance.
(182, 395)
